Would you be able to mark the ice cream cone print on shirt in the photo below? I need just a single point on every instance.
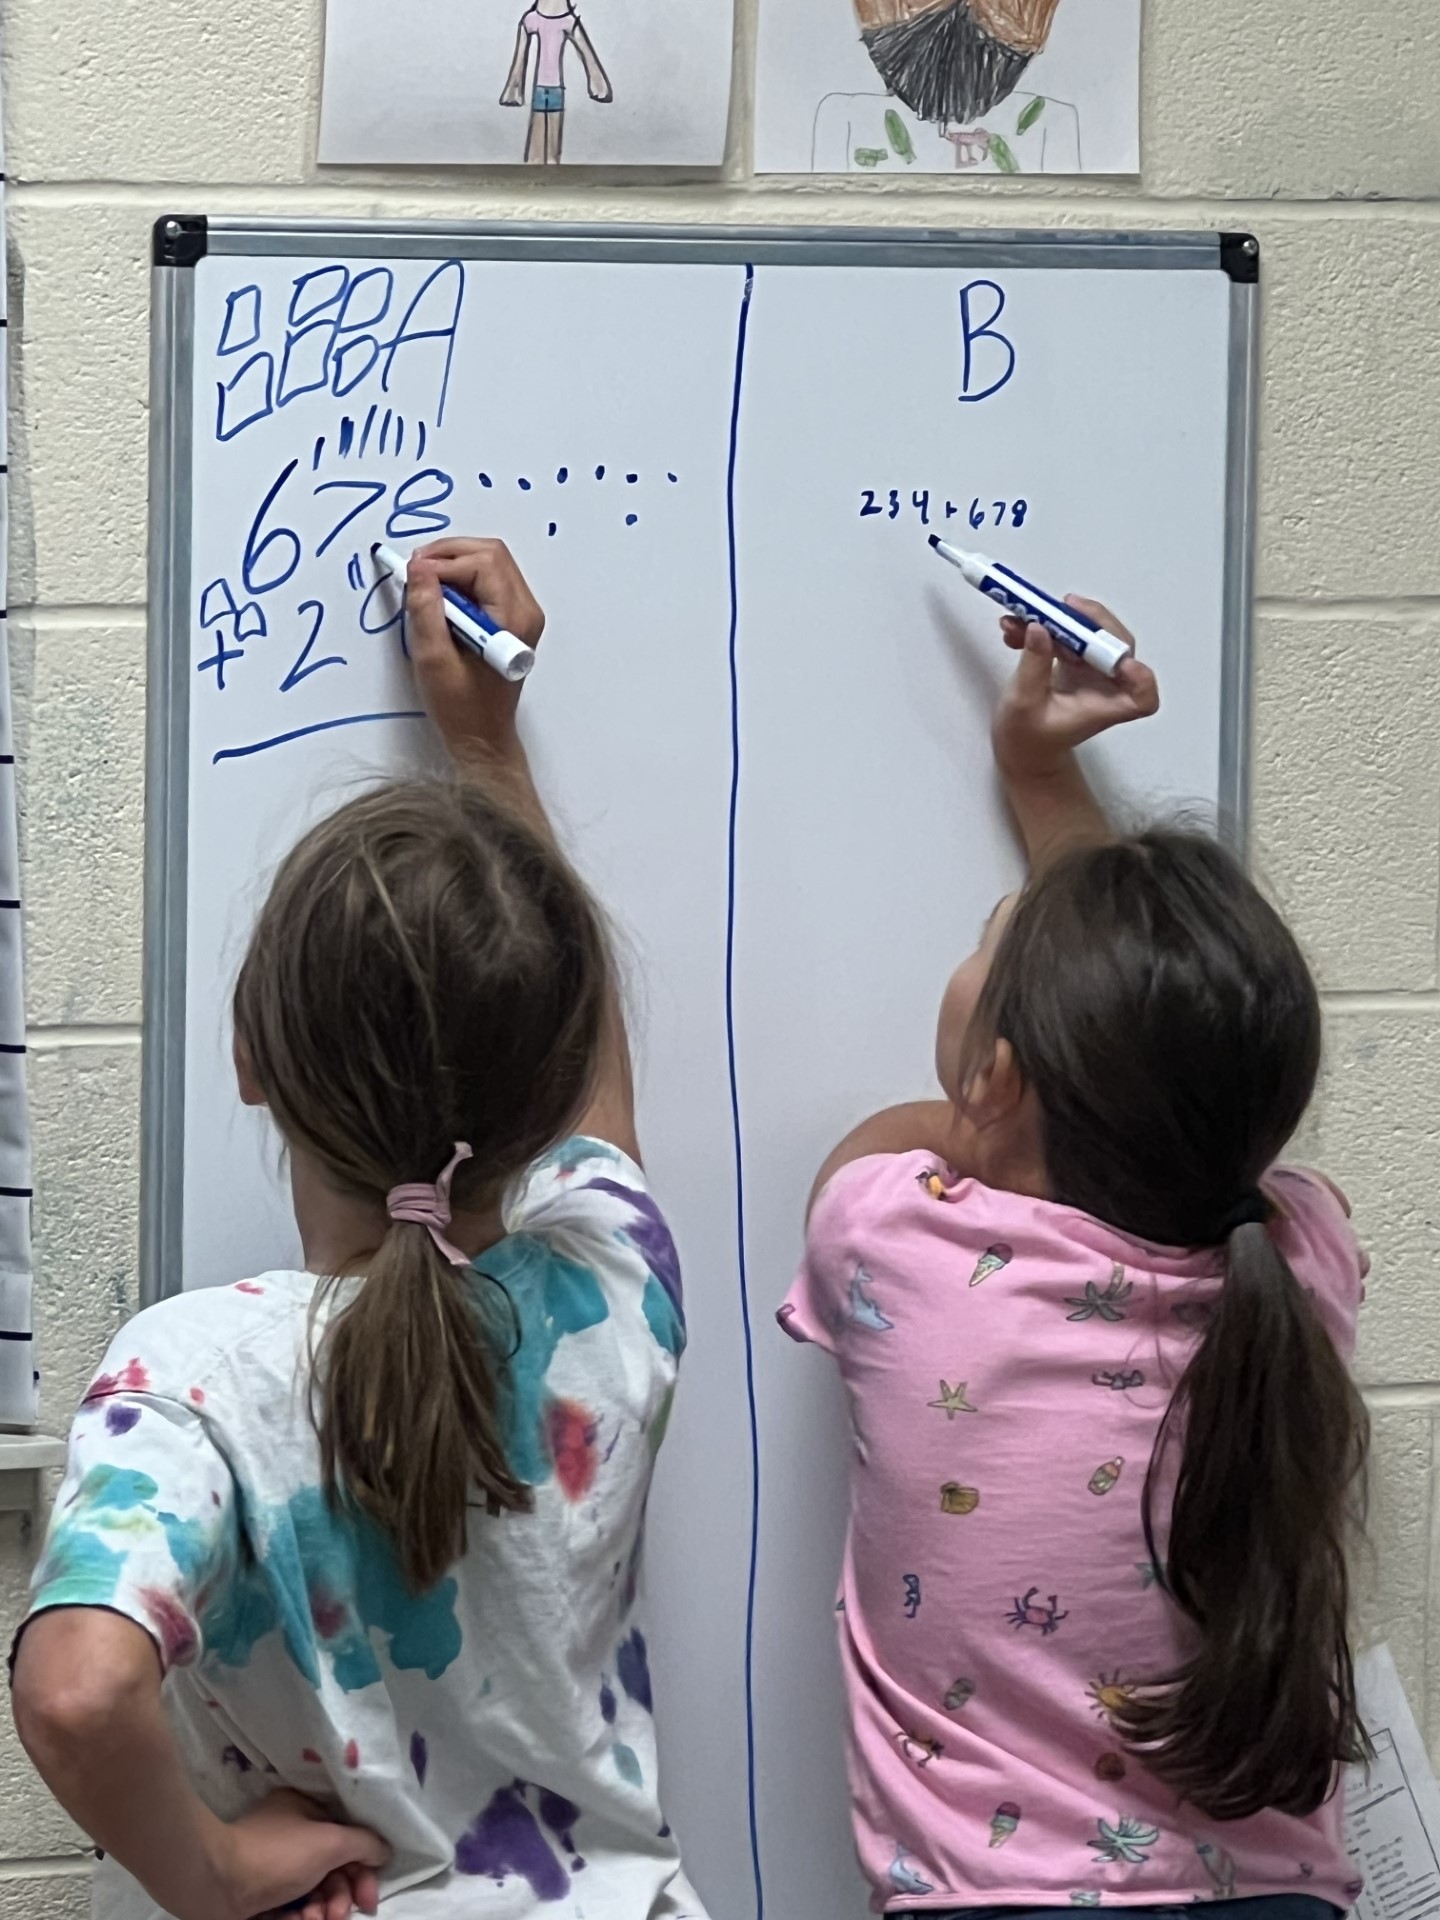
(1006, 1820)
(993, 1260)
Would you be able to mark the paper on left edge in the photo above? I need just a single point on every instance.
(526, 82)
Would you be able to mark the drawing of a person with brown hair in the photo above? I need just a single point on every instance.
(548, 30)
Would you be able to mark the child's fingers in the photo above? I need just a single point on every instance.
(1097, 611)
(1012, 631)
(1031, 685)
(488, 572)
(338, 1896)
(433, 653)
(364, 1887)
(1138, 682)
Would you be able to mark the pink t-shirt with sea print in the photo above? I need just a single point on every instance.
(1008, 1363)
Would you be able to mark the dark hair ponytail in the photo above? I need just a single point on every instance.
(1166, 1021)
(1272, 1436)
(427, 969)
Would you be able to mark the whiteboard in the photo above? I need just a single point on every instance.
(761, 719)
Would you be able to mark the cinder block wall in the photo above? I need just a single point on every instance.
(1314, 126)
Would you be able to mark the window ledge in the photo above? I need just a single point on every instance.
(23, 1457)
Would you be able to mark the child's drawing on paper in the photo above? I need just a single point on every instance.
(948, 86)
(513, 83)
(546, 33)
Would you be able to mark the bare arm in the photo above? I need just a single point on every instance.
(88, 1710)
(920, 1126)
(596, 77)
(1049, 708)
(514, 93)
(475, 712)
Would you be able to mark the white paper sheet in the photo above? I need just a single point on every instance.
(899, 87)
(1392, 1805)
(18, 1378)
(625, 85)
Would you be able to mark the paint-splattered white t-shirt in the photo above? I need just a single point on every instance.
(498, 1730)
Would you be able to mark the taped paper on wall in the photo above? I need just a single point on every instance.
(1392, 1805)
(535, 83)
(897, 87)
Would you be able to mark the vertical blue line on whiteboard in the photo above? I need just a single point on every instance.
(740, 339)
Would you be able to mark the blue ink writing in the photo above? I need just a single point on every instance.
(878, 502)
(304, 665)
(414, 514)
(338, 335)
(974, 330)
(254, 552)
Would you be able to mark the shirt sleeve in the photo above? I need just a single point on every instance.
(1315, 1236)
(586, 1199)
(145, 1524)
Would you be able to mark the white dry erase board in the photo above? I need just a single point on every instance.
(760, 715)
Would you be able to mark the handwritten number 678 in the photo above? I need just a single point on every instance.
(272, 557)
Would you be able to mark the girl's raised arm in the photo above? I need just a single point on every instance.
(475, 712)
(1051, 706)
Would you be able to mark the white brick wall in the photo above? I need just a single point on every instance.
(1311, 122)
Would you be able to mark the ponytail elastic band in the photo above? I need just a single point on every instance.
(1251, 1210)
(429, 1207)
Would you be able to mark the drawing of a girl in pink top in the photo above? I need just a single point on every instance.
(545, 30)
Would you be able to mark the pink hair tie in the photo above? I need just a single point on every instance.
(429, 1207)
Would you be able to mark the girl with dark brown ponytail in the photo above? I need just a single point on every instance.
(1095, 1610)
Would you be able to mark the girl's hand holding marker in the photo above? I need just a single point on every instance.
(508, 653)
(1077, 631)
(1054, 702)
(474, 713)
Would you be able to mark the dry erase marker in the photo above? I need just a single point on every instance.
(1075, 631)
(510, 657)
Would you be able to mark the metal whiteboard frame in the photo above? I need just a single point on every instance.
(182, 241)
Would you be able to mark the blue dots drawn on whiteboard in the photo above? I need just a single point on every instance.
(527, 485)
